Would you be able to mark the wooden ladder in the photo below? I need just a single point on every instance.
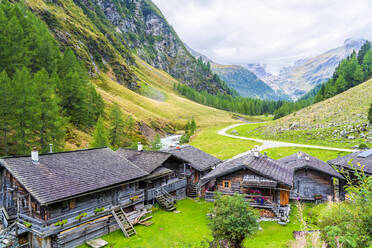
(123, 222)
(165, 200)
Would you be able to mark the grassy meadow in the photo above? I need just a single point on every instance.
(222, 147)
(189, 228)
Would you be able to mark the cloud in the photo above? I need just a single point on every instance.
(266, 31)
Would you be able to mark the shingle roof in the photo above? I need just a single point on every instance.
(146, 160)
(363, 161)
(197, 159)
(262, 165)
(298, 160)
(58, 176)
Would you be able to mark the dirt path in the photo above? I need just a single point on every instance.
(266, 144)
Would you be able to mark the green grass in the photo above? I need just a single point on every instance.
(318, 136)
(185, 229)
(222, 147)
(189, 228)
(325, 155)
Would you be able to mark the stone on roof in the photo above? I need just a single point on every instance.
(301, 160)
(356, 160)
(59, 176)
(197, 159)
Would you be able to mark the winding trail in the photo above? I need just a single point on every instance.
(266, 144)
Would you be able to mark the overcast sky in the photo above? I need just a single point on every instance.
(267, 31)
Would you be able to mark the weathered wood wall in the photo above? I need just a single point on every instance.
(308, 182)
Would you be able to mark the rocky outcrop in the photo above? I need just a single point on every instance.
(146, 31)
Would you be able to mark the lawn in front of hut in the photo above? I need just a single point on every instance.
(189, 228)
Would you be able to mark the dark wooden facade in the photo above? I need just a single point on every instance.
(260, 191)
(23, 208)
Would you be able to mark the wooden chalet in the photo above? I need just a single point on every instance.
(165, 181)
(198, 164)
(313, 180)
(264, 182)
(354, 161)
(64, 199)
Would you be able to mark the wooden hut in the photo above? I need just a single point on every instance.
(64, 199)
(354, 161)
(313, 179)
(198, 164)
(166, 180)
(261, 180)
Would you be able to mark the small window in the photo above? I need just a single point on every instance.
(65, 206)
(72, 203)
(226, 184)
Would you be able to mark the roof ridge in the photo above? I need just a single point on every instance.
(53, 153)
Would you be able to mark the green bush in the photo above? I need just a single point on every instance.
(348, 224)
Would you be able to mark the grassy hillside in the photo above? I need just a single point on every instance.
(156, 107)
(340, 121)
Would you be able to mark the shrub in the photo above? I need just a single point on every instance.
(363, 146)
(232, 220)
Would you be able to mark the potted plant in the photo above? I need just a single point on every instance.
(27, 224)
(134, 198)
(318, 197)
(98, 210)
(60, 223)
(80, 216)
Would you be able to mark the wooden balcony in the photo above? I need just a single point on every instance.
(170, 187)
(47, 228)
(268, 204)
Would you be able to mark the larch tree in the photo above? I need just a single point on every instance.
(117, 126)
(100, 135)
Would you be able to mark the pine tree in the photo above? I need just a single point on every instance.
(117, 126)
(6, 112)
(370, 114)
(51, 124)
(100, 135)
(192, 126)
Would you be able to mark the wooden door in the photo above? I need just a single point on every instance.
(284, 197)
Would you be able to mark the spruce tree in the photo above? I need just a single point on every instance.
(370, 114)
(26, 108)
(117, 126)
(7, 120)
(100, 135)
(51, 124)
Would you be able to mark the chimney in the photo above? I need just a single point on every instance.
(265, 154)
(139, 146)
(255, 152)
(299, 155)
(35, 155)
(50, 148)
(307, 158)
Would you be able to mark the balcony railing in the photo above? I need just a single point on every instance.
(268, 203)
(169, 187)
(45, 228)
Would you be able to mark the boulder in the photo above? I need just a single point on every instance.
(97, 243)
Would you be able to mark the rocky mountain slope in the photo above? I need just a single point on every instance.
(246, 83)
(119, 67)
(307, 73)
(242, 80)
(105, 34)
